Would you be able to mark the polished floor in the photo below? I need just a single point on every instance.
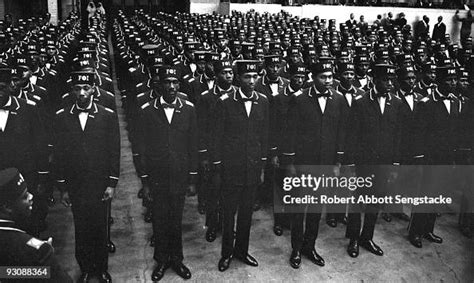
(452, 261)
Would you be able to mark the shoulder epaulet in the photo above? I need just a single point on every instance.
(189, 103)
(145, 105)
(31, 102)
(109, 110)
(35, 243)
(425, 99)
(59, 111)
(224, 97)
(358, 97)
(140, 94)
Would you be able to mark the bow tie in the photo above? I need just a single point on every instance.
(168, 105)
(324, 94)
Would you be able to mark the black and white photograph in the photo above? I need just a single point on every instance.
(236, 141)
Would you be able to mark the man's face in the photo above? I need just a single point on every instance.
(449, 84)
(248, 80)
(201, 65)
(408, 81)
(430, 76)
(210, 70)
(225, 77)
(297, 81)
(323, 81)
(170, 87)
(362, 69)
(384, 84)
(272, 71)
(21, 208)
(83, 94)
(348, 76)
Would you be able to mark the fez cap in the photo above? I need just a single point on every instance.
(12, 185)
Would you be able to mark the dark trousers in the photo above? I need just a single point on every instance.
(354, 224)
(213, 208)
(304, 237)
(280, 219)
(167, 223)
(90, 225)
(241, 198)
(421, 223)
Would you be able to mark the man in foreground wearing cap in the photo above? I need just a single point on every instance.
(436, 142)
(167, 144)
(87, 162)
(17, 248)
(205, 114)
(23, 143)
(278, 121)
(375, 134)
(238, 153)
(270, 85)
(316, 132)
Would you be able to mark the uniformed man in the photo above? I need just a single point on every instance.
(278, 121)
(316, 130)
(436, 144)
(168, 144)
(87, 162)
(17, 248)
(23, 143)
(205, 115)
(375, 133)
(239, 152)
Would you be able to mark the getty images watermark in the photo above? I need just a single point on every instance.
(307, 186)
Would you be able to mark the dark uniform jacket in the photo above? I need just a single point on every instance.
(375, 137)
(239, 142)
(24, 142)
(437, 136)
(96, 150)
(314, 137)
(168, 152)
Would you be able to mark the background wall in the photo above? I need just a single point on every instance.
(340, 13)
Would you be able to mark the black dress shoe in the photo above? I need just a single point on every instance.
(211, 235)
(415, 241)
(353, 248)
(224, 263)
(331, 222)
(278, 230)
(295, 259)
(104, 277)
(433, 238)
(387, 217)
(181, 270)
(371, 247)
(247, 259)
(314, 257)
(111, 247)
(159, 271)
(85, 277)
